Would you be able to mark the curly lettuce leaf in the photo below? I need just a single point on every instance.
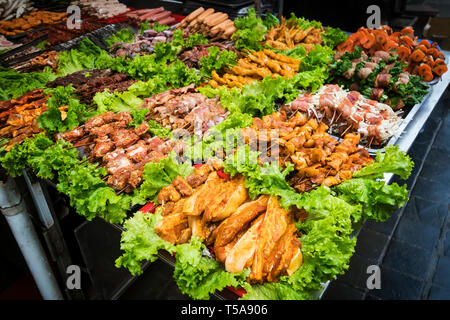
(55, 120)
(393, 160)
(140, 242)
(251, 30)
(216, 60)
(198, 275)
(123, 35)
(14, 84)
(333, 36)
(158, 175)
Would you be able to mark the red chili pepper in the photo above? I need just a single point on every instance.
(239, 291)
(196, 166)
(210, 249)
(148, 208)
(223, 175)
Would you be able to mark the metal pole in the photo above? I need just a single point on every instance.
(17, 216)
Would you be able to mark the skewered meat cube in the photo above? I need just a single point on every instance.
(137, 151)
(142, 128)
(124, 138)
(99, 120)
(118, 164)
(103, 145)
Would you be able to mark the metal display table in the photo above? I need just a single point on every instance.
(413, 122)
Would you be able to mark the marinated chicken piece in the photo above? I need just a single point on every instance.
(226, 201)
(198, 227)
(137, 151)
(99, 120)
(244, 250)
(118, 181)
(73, 135)
(196, 204)
(248, 211)
(182, 186)
(119, 163)
(168, 193)
(273, 227)
(142, 128)
(282, 255)
(171, 226)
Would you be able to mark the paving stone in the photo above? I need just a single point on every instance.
(427, 132)
(416, 234)
(396, 285)
(442, 275)
(443, 136)
(439, 293)
(370, 244)
(340, 291)
(408, 259)
(447, 241)
(431, 190)
(436, 166)
(425, 212)
(356, 275)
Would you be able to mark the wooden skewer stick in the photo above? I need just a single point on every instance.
(122, 190)
(82, 145)
(370, 142)
(334, 113)
(346, 130)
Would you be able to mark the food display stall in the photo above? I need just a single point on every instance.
(245, 151)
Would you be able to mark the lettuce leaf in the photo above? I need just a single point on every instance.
(158, 175)
(198, 275)
(216, 60)
(379, 199)
(140, 242)
(250, 31)
(393, 160)
(14, 84)
(52, 120)
(273, 291)
(333, 36)
(123, 35)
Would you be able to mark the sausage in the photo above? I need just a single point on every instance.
(168, 20)
(229, 31)
(223, 25)
(194, 14)
(215, 19)
(159, 16)
(201, 16)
